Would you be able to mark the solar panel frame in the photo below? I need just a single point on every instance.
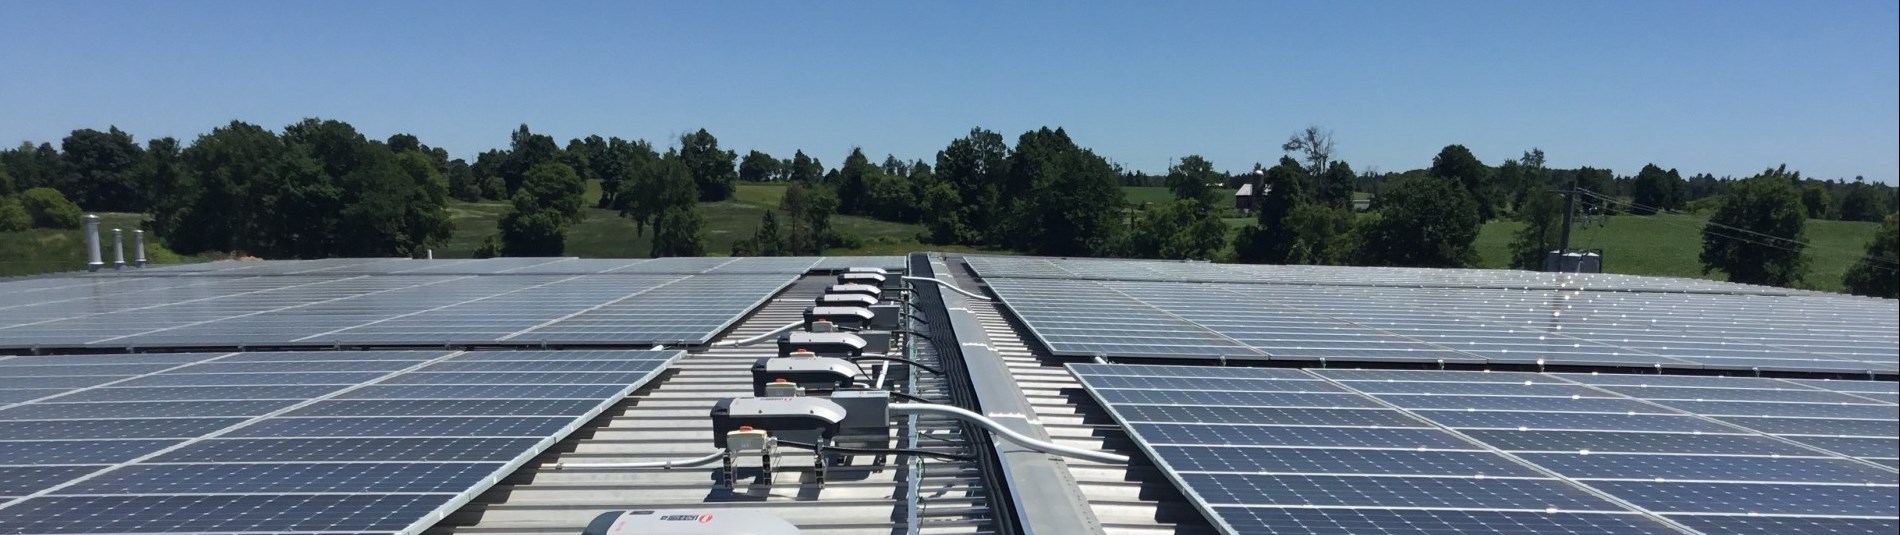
(304, 468)
(1806, 478)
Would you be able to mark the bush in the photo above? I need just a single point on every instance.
(13, 216)
(49, 209)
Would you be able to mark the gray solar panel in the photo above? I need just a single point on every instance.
(323, 451)
(1391, 451)
(1475, 326)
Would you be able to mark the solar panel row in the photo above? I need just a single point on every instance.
(1458, 325)
(511, 266)
(1140, 270)
(383, 441)
(328, 310)
(1356, 451)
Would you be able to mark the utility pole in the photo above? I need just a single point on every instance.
(1570, 197)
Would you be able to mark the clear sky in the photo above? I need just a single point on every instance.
(1722, 87)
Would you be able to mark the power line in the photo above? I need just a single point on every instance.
(1882, 263)
(1889, 264)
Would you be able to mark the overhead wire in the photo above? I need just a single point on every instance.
(1731, 232)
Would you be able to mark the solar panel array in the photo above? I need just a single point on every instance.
(1156, 270)
(513, 266)
(1390, 451)
(327, 310)
(336, 441)
(1433, 320)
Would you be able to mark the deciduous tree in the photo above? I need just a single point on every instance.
(1758, 234)
(1877, 273)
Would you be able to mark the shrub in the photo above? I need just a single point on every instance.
(49, 209)
(13, 217)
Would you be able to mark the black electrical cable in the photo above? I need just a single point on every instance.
(898, 360)
(919, 335)
(893, 451)
(918, 318)
(916, 398)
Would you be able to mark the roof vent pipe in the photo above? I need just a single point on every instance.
(138, 248)
(92, 243)
(118, 249)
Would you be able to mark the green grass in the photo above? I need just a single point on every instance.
(1671, 245)
(604, 234)
(1158, 194)
(36, 251)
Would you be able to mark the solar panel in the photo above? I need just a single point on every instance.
(1267, 450)
(295, 310)
(284, 451)
(1448, 321)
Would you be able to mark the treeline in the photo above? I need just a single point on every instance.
(319, 189)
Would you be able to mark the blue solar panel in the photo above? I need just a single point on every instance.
(1467, 452)
(278, 433)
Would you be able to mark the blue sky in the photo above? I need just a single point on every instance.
(1722, 87)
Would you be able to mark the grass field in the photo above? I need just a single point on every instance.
(1666, 245)
(34, 251)
(604, 234)
(1671, 245)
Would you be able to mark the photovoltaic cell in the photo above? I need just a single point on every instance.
(1474, 452)
(201, 452)
(1084, 307)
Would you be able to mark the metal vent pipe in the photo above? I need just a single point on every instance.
(138, 248)
(118, 249)
(92, 243)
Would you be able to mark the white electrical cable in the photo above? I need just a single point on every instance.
(946, 284)
(1019, 438)
(755, 339)
(675, 463)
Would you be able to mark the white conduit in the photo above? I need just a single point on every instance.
(1018, 438)
(946, 285)
(756, 339)
(675, 463)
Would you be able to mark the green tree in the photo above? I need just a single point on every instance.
(1758, 234)
(711, 168)
(1863, 202)
(1422, 222)
(6, 180)
(854, 179)
(161, 176)
(1456, 162)
(13, 217)
(768, 240)
(806, 169)
(1067, 199)
(1816, 200)
(1321, 234)
(536, 221)
(1272, 237)
(49, 209)
(1193, 178)
(294, 212)
(758, 167)
(99, 170)
(890, 197)
(676, 233)
(33, 166)
(809, 208)
(1656, 189)
(526, 150)
(463, 185)
(629, 160)
(975, 167)
(1334, 187)
(1877, 273)
(1181, 229)
(212, 210)
(1542, 215)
